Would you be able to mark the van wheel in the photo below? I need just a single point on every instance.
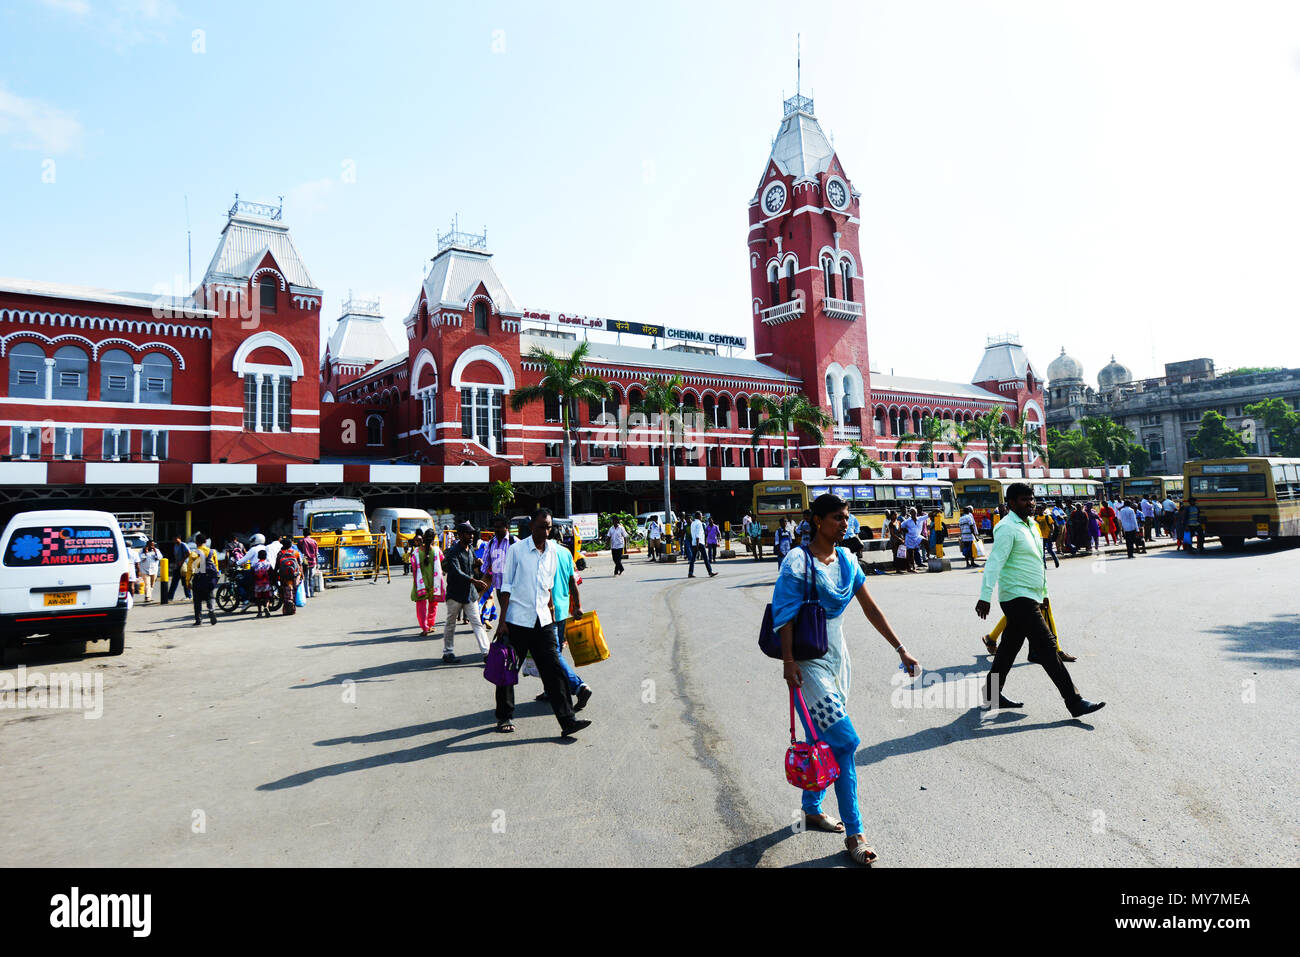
(117, 641)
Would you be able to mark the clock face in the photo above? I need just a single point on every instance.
(774, 198)
(837, 193)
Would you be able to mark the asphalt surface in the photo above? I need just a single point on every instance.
(337, 736)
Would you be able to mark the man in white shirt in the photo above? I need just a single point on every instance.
(967, 525)
(528, 623)
(1128, 522)
(1169, 508)
(654, 533)
(697, 546)
(1148, 519)
(617, 535)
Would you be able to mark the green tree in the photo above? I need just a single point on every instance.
(1110, 439)
(1070, 450)
(933, 432)
(1215, 440)
(786, 414)
(1025, 437)
(1282, 422)
(1139, 459)
(503, 494)
(858, 458)
(662, 398)
(563, 380)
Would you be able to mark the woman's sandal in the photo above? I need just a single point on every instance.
(862, 852)
(822, 822)
(505, 727)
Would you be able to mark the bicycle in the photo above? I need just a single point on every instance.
(237, 591)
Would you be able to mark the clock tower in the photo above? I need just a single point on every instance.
(806, 278)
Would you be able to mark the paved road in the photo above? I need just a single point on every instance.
(337, 736)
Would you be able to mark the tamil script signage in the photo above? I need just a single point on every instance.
(686, 335)
(566, 319)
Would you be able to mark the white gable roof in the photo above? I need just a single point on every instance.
(456, 273)
(1003, 362)
(361, 339)
(245, 241)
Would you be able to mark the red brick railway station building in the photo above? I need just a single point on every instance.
(139, 398)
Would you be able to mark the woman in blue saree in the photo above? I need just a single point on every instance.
(825, 680)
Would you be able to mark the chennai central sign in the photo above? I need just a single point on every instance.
(635, 328)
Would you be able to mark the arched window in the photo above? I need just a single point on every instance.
(846, 272)
(828, 275)
(156, 379)
(375, 430)
(789, 281)
(481, 316)
(742, 414)
(71, 374)
(27, 371)
(266, 287)
(116, 377)
(724, 414)
(773, 285)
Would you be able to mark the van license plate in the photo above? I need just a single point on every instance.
(60, 598)
(1261, 529)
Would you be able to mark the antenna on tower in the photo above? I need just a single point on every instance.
(189, 254)
(798, 63)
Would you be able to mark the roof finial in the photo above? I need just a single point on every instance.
(798, 63)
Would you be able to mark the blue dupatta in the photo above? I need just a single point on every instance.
(792, 590)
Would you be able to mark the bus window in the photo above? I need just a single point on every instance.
(780, 503)
(902, 492)
(863, 493)
(947, 502)
(1223, 484)
(884, 493)
(1054, 491)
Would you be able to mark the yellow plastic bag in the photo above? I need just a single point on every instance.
(586, 639)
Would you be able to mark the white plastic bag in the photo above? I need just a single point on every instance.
(530, 668)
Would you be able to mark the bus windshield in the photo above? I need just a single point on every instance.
(780, 503)
(408, 526)
(978, 499)
(1228, 484)
(348, 521)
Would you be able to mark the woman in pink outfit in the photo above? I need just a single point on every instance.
(428, 586)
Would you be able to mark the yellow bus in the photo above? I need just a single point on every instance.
(1250, 497)
(868, 500)
(1155, 487)
(984, 495)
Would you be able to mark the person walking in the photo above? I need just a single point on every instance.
(1109, 523)
(893, 534)
(782, 539)
(288, 567)
(1128, 522)
(1148, 510)
(1168, 509)
(754, 529)
(310, 550)
(966, 526)
(1095, 525)
(463, 590)
(698, 547)
(263, 583)
(711, 533)
(912, 539)
(203, 572)
(804, 530)
(428, 584)
(1015, 567)
(1194, 525)
(838, 580)
(528, 624)
(179, 572)
(654, 536)
(566, 604)
(494, 552)
(150, 562)
(1046, 528)
(617, 536)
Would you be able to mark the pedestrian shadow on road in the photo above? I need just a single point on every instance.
(477, 725)
(386, 635)
(383, 672)
(967, 726)
(750, 854)
(1269, 642)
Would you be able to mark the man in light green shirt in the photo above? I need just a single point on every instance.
(1015, 566)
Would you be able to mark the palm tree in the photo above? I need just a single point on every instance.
(563, 380)
(786, 414)
(990, 428)
(1024, 436)
(1108, 437)
(933, 432)
(859, 459)
(662, 398)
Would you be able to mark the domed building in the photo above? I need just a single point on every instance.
(1113, 374)
(1064, 379)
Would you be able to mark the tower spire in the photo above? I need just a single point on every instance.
(798, 63)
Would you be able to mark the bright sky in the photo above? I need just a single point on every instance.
(1112, 177)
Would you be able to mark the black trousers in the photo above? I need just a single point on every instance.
(540, 642)
(699, 551)
(617, 554)
(1025, 621)
(178, 577)
(1131, 540)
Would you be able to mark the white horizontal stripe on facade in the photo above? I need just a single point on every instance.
(223, 473)
(642, 473)
(731, 474)
(395, 473)
(530, 473)
(465, 473)
(1056, 473)
(313, 473)
(95, 404)
(776, 473)
(113, 426)
(693, 473)
(297, 432)
(589, 473)
(813, 475)
(23, 473)
(965, 473)
(121, 473)
(305, 411)
(228, 408)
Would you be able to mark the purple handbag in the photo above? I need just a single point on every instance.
(809, 625)
(502, 665)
